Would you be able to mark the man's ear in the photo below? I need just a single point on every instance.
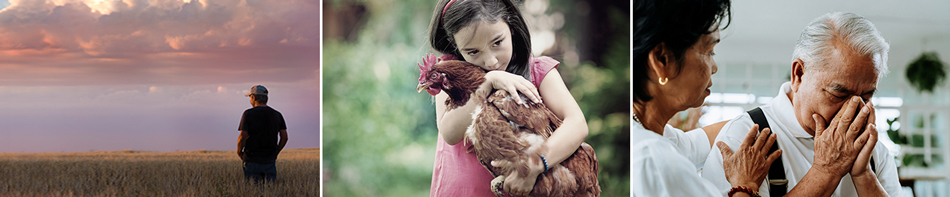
(658, 60)
(798, 71)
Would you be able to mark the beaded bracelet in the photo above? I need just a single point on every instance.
(545, 161)
(751, 192)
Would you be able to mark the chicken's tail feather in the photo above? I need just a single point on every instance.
(589, 180)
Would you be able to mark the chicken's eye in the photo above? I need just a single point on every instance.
(434, 75)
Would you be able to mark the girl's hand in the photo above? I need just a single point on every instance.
(512, 83)
(750, 164)
(517, 185)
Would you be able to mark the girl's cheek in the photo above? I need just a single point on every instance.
(471, 60)
(507, 60)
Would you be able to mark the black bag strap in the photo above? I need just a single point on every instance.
(778, 184)
(872, 165)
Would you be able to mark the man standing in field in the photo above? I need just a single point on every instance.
(257, 145)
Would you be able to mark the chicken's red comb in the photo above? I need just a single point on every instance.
(427, 62)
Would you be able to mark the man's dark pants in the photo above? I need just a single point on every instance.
(257, 171)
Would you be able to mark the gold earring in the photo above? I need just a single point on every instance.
(664, 80)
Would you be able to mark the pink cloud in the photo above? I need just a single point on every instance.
(161, 75)
(59, 42)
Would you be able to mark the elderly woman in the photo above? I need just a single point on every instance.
(672, 68)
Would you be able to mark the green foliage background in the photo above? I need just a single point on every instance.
(379, 135)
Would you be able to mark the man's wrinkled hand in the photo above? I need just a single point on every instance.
(838, 144)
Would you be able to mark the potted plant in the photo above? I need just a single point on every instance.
(926, 72)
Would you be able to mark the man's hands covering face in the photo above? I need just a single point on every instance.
(845, 145)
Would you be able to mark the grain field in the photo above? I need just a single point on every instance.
(134, 173)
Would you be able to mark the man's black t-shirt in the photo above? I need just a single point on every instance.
(262, 125)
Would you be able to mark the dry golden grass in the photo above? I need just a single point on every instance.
(133, 173)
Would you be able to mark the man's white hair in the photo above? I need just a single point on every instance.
(847, 29)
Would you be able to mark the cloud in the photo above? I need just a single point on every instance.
(153, 74)
(69, 42)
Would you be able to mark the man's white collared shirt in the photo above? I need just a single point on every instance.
(797, 147)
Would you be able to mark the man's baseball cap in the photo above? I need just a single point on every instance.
(257, 90)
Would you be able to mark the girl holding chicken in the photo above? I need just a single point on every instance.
(493, 35)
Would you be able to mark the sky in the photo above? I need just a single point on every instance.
(153, 75)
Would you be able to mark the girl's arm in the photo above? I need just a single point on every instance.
(573, 130)
(452, 124)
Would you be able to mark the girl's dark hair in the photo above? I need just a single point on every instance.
(464, 12)
(678, 24)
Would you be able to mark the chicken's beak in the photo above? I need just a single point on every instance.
(422, 87)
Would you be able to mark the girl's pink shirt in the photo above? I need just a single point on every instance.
(457, 172)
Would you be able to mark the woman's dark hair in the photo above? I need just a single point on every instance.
(678, 24)
(465, 12)
(262, 99)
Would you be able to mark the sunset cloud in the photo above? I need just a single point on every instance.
(150, 41)
(159, 75)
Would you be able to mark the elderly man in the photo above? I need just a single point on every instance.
(823, 125)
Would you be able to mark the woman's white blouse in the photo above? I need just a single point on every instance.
(659, 168)
(694, 145)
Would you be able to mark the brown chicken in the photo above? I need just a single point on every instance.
(503, 130)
